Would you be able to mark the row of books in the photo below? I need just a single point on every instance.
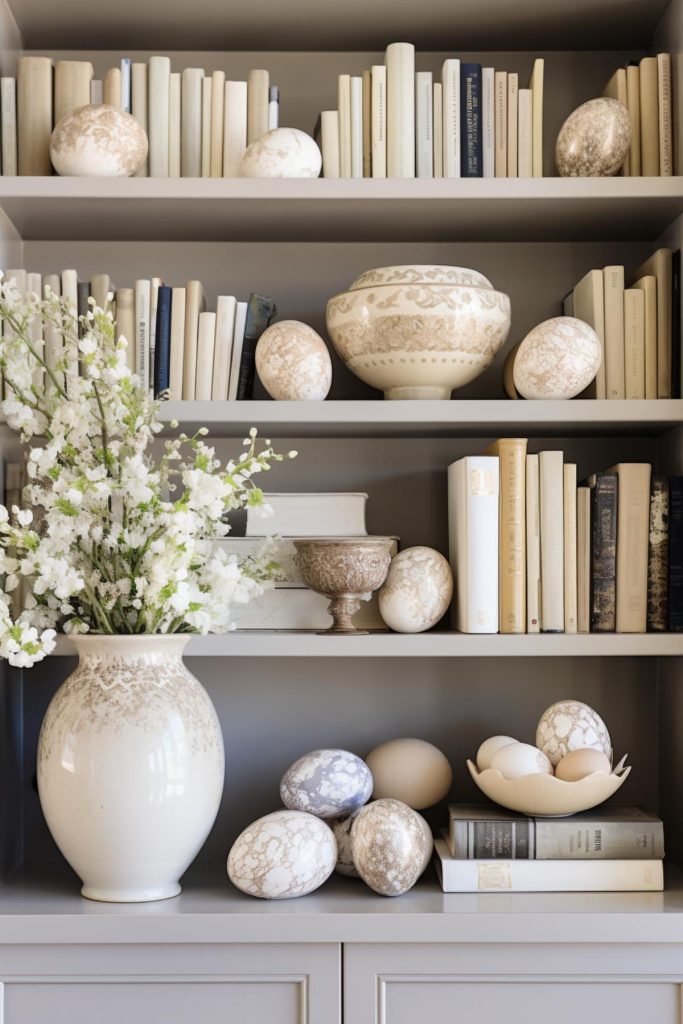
(198, 125)
(176, 346)
(394, 122)
(609, 849)
(604, 556)
(639, 326)
(645, 89)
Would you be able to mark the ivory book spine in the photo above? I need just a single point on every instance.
(633, 513)
(552, 541)
(473, 513)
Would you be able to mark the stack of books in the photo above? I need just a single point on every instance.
(533, 552)
(638, 326)
(198, 125)
(645, 90)
(609, 849)
(395, 122)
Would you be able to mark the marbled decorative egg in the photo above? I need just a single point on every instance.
(508, 370)
(293, 362)
(417, 591)
(341, 828)
(410, 770)
(571, 725)
(557, 359)
(327, 783)
(282, 153)
(594, 140)
(390, 845)
(282, 855)
(98, 141)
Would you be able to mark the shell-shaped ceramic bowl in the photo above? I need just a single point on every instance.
(547, 796)
(420, 273)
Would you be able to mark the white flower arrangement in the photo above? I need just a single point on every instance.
(109, 548)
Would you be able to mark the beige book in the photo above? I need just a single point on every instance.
(8, 118)
(633, 104)
(552, 541)
(500, 101)
(174, 105)
(96, 92)
(525, 163)
(633, 522)
(72, 86)
(400, 62)
(194, 305)
(649, 117)
(344, 108)
(367, 124)
(648, 286)
(450, 104)
(143, 301)
(512, 533)
(634, 343)
(616, 90)
(570, 550)
(536, 86)
(34, 115)
(70, 297)
(533, 546)
(177, 356)
(54, 345)
(226, 307)
(379, 123)
(125, 322)
(34, 286)
(206, 126)
(513, 122)
(258, 83)
(159, 86)
(659, 266)
(356, 126)
(100, 287)
(614, 331)
(138, 88)
(191, 122)
(666, 154)
(329, 130)
(112, 88)
(437, 116)
(583, 559)
(488, 122)
(217, 118)
(234, 128)
(589, 306)
(206, 339)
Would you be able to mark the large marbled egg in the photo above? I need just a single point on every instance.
(391, 846)
(417, 591)
(571, 725)
(293, 362)
(341, 828)
(594, 140)
(282, 153)
(557, 359)
(98, 141)
(282, 855)
(327, 783)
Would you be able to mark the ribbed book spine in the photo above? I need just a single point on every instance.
(658, 556)
(604, 554)
(471, 142)
(676, 554)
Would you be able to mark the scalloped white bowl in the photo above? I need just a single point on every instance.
(547, 796)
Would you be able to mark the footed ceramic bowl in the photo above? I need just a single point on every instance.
(345, 569)
(546, 796)
(418, 331)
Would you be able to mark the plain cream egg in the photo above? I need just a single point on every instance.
(489, 748)
(578, 763)
(410, 770)
(518, 759)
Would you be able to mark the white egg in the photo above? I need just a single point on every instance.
(570, 725)
(327, 783)
(284, 854)
(282, 153)
(293, 362)
(98, 141)
(391, 846)
(417, 591)
(489, 748)
(410, 770)
(578, 763)
(518, 759)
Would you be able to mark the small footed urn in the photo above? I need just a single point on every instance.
(345, 569)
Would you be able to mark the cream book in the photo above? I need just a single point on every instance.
(533, 545)
(424, 143)
(512, 533)
(570, 550)
(143, 302)
(258, 83)
(159, 85)
(648, 286)
(237, 343)
(649, 116)
(97, 91)
(634, 343)
(177, 353)
(191, 123)
(367, 123)
(525, 162)
(112, 88)
(195, 303)
(666, 155)
(234, 127)
(488, 122)
(437, 129)
(536, 86)
(450, 97)
(400, 63)
(206, 338)
(379, 121)
(226, 306)
(513, 123)
(156, 283)
(100, 287)
(70, 297)
(125, 322)
(310, 514)
(583, 559)
(344, 107)
(633, 511)
(633, 104)
(551, 487)
(174, 126)
(501, 123)
(206, 126)
(473, 523)
(217, 118)
(8, 118)
(616, 90)
(72, 86)
(34, 115)
(659, 266)
(329, 131)
(356, 93)
(614, 331)
(589, 306)
(54, 345)
(138, 91)
(34, 286)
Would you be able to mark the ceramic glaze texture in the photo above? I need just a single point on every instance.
(571, 725)
(417, 591)
(347, 569)
(391, 846)
(282, 855)
(282, 153)
(293, 362)
(327, 783)
(130, 767)
(557, 359)
(420, 273)
(594, 140)
(341, 828)
(98, 141)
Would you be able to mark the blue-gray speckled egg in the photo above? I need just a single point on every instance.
(327, 783)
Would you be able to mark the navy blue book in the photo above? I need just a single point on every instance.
(259, 314)
(471, 153)
(676, 554)
(162, 349)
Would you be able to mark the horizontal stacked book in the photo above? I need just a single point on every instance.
(395, 122)
(645, 89)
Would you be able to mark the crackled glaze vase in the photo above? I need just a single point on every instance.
(130, 767)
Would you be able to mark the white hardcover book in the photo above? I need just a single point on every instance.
(536, 86)
(177, 355)
(648, 286)
(615, 374)
(54, 346)
(450, 83)
(310, 514)
(589, 306)
(437, 129)
(488, 122)
(217, 119)
(138, 102)
(296, 608)
(525, 164)
(206, 338)
(379, 121)
(424, 125)
(206, 126)
(344, 108)
(551, 479)
(513, 121)
(8, 103)
(501, 123)
(583, 559)
(125, 323)
(356, 126)
(96, 91)
(34, 286)
(143, 303)
(473, 517)
(257, 104)
(329, 131)
(570, 550)
(226, 307)
(126, 86)
(191, 123)
(195, 303)
(533, 545)
(70, 297)
(400, 63)
(237, 343)
(174, 104)
(156, 283)
(234, 128)
(159, 95)
(634, 343)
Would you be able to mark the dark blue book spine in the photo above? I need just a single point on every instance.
(162, 349)
(471, 154)
(261, 311)
(676, 554)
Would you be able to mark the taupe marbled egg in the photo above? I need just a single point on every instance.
(391, 846)
(557, 359)
(293, 362)
(282, 855)
(341, 828)
(571, 725)
(594, 140)
(98, 141)
(282, 153)
(417, 591)
(327, 783)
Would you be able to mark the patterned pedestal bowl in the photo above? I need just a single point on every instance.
(418, 331)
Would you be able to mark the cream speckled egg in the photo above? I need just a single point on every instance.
(327, 783)
(282, 153)
(578, 763)
(571, 725)
(417, 591)
(341, 828)
(517, 759)
(557, 359)
(284, 854)
(489, 747)
(98, 141)
(293, 362)
(410, 770)
(391, 847)
(594, 140)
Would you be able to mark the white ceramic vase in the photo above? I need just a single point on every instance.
(130, 767)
